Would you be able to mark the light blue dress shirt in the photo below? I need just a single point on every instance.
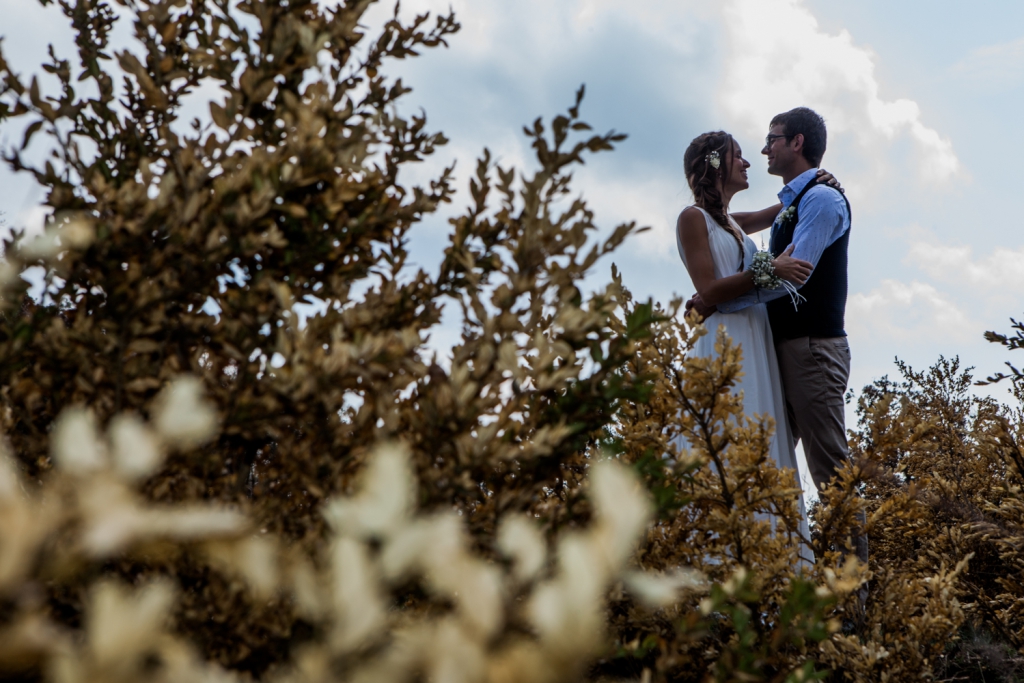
(823, 219)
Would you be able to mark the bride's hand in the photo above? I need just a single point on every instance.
(792, 269)
(824, 177)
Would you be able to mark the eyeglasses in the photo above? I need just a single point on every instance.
(772, 137)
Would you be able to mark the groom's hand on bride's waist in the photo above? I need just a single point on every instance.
(697, 304)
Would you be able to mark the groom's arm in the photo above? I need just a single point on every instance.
(756, 221)
(823, 220)
(754, 296)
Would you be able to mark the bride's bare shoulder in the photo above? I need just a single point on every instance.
(691, 218)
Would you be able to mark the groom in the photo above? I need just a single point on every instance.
(810, 341)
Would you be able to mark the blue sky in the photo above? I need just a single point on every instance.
(921, 101)
(921, 98)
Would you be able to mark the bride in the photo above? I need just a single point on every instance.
(717, 254)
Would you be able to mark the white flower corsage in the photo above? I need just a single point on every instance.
(714, 160)
(762, 267)
(785, 215)
(763, 271)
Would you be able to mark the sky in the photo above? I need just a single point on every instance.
(921, 99)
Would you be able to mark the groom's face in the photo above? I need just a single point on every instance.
(782, 151)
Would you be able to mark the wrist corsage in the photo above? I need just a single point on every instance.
(762, 267)
(763, 270)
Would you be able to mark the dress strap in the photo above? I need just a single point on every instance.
(713, 225)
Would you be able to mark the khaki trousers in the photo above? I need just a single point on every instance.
(815, 372)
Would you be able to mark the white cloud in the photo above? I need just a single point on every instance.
(907, 312)
(652, 201)
(1000, 271)
(510, 52)
(779, 58)
(1000, 65)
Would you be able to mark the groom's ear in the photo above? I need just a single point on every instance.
(798, 143)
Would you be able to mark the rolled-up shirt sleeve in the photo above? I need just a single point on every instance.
(823, 219)
(743, 300)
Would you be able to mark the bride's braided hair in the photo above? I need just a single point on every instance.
(703, 178)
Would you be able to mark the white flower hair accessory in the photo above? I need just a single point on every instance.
(714, 160)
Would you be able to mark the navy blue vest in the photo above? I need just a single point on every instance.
(824, 312)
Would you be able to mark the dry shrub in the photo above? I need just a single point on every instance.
(377, 542)
(201, 485)
(943, 500)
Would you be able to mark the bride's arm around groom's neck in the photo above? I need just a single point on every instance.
(756, 221)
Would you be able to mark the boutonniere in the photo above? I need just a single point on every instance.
(785, 216)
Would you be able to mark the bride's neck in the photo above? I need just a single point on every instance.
(727, 199)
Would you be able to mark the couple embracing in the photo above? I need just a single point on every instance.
(787, 309)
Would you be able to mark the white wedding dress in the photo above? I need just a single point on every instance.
(761, 384)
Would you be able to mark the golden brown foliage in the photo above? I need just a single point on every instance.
(200, 485)
(943, 502)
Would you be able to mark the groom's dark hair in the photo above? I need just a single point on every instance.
(809, 123)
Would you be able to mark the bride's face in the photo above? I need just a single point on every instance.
(738, 166)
